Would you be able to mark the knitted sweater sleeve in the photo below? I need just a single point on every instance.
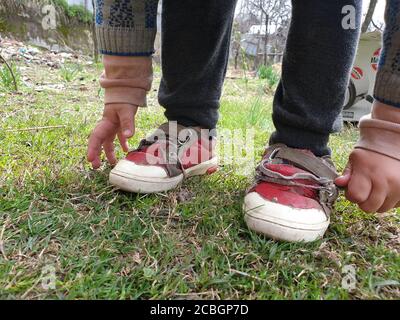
(387, 85)
(126, 27)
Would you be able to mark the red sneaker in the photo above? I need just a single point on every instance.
(165, 158)
(293, 195)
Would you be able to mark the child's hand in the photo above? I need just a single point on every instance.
(372, 180)
(118, 120)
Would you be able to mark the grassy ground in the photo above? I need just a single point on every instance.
(189, 243)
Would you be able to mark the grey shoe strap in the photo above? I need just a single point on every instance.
(178, 141)
(320, 167)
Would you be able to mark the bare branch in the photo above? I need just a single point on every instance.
(369, 15)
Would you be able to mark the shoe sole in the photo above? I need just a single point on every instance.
(264, 219)
(137, 184)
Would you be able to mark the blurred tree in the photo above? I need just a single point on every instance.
(369, 16)
(274, 13)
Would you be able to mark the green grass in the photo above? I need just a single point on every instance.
(268, 73)
(69, 72)
(191, 242)
(78, 12)
(9, 79)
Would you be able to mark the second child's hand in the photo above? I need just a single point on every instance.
(118, 121)
(372, 181)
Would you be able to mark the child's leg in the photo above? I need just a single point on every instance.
(315, 73)
(294, 193)
(195, 49)
(196, 37)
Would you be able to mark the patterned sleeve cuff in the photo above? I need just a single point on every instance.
(126, 27)
(126, 42)
(387, 88)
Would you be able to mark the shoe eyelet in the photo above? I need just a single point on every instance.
(187, 138)
(273, 154)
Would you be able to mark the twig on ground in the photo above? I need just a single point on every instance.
(36, 128)
(193, 294)
(2, 243)
(245, 274)
(31, 288)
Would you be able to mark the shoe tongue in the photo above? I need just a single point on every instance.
(286, 169)
(172, 131)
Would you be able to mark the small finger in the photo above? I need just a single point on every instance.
(94, 150)
(390, 203)
(344, 179)
(358, 188)
(108, 147)
(375, 199)
(100, 133)
(123, 141)
(126, 118)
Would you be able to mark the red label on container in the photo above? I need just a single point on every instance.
(357, 73)
(375, 59)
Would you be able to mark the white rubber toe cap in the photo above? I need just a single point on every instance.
(132, 177)
(130, 169)
(283, 222)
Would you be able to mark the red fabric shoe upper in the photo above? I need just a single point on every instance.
(294, 196)
(199, 151)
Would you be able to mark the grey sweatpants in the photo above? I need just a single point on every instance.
(315, 71)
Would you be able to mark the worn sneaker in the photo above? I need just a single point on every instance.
(293, 195)
(165, 158)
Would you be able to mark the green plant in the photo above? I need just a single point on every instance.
(78, 12)
(62, 4)
(268, 73)
(70, 71)
(157, 68)
(3, 24)
(257, 115)
(245, 66)
(10, 77)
